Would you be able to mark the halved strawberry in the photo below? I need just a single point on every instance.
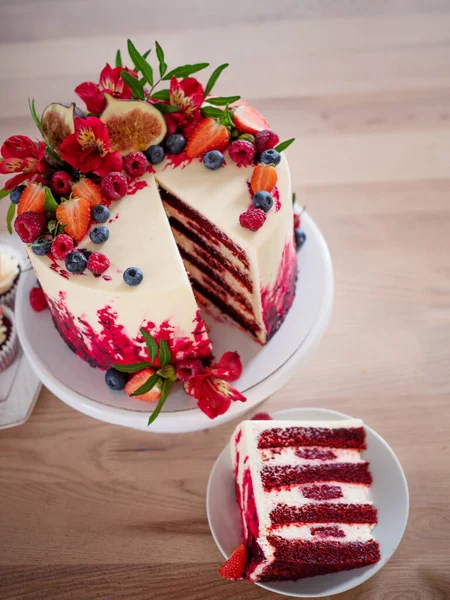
(207, 135)
(264, 177)
(86, 188)
(75, 215)
(235, 566)
(139, 379)
(248, 120)
(32, 199)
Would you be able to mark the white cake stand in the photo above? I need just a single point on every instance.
(265, 369)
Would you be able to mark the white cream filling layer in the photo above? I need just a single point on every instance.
(289, 456)
(357, 532)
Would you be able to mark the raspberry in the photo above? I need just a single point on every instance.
(98, 263)
(253, 219)
(62, 245)
(38, 300)
(29, 226)
(60, 183)
(186, 369)
(114, 186)
(261, 417)
(242, 152)
(265, 140)
(135, 164)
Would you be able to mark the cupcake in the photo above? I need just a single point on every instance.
(9, 343)
(9, 277)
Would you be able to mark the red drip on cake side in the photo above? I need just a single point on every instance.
(282, 476)
(322, 492)
(100, 347)
(276, 197)
(174, 161)
(345, 438)
(277, 299)
(315, 454)
(329, 531)
(323, 513)
(250, 510)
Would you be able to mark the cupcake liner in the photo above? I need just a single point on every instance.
(8, 298)
(8, 351)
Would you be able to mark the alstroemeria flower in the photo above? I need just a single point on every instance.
(188, 95)
(88, 148)
(211, 388)
(93, 94)
(21, 155)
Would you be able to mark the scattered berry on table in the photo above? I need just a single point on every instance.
(213, 160)
(62, 245)
(99, 234)
(265, 140)
(76, 262)
(155, 154)
(97, 263)
(38, 300)
(242, 152)
(175, 143)
(248, 120)
(133, 276)
(32, 199)
(60, 183)
(43, 245)
(100, 213)
(16, 193)
(115, 380)
(262, 416)
(114, 186)
(208, 135)
(29, 226)
(235, 566)
(135, 164)
(300, 238)
(270, 157)
(75, 215)
(264, 177)
(253, 219)
(139, 379)
(87, 189)
(263, 200)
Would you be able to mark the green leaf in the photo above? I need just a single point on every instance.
(118, 59)
(160, 55)
(283, 145)
(140, 63)
(161, 95)
(164, 353)
(146, 53)
(166, 108)
(131, 368)
(147, 386)
(185, 70)
(211, 111)
(293, 198)
(50, 204)
(135, 85)
(214, 77)
(36, 119)
(4, 193)
(223, 101)
(166, 387)
(152, 345)
(228, 116)
(10, 216)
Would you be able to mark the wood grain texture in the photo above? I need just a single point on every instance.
(95, 512)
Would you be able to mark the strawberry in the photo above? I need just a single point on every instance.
(264, 177)
(207, 135)
(86, 188)
(139, 379)
(248, 120)
(235, 566)
(32, 199)
(75, 215)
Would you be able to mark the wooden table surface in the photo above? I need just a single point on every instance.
(92, 511)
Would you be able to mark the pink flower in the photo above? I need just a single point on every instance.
(93, 94)
(188, 95)
(211, 388)
(21, 155)
(87, 149)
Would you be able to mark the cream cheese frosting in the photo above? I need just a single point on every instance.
(9, 270)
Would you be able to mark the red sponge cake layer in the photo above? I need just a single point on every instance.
(313, 436)
(280, 476)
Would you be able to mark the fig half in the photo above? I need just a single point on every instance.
(58, 122)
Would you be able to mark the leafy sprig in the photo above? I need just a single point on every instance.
(283, 145)
(10, 216)
(49, 150)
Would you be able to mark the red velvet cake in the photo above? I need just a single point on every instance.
(304, 494)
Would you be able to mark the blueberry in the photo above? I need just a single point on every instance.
(100, 213)
(155, 154)
(300, 238)
(263, 200)
(99, 234)
(213, 160)
(42, 246)
(133, 276)
(86, 252)
(175, 143)
(270, 157)
(115, 380)
(76, 262)
(16, 193)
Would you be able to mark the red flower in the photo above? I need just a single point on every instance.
(93, 94)
(211, 388)
(88, 148)
(21, 155)
(188, 95)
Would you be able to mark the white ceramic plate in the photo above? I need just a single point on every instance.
(389, 493)
(265, 369)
